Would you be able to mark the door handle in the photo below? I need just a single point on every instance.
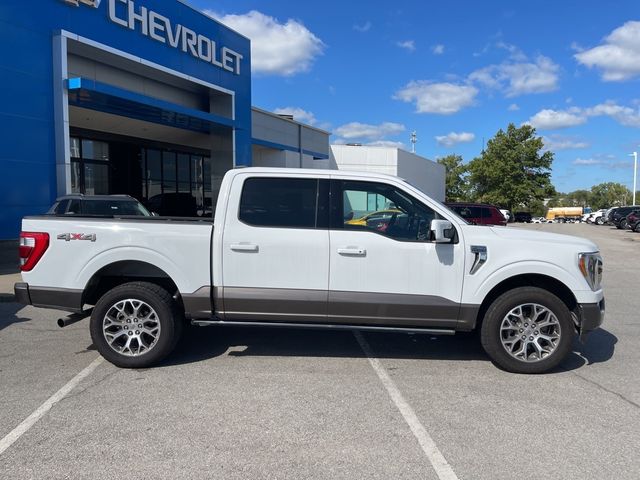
(244, 247)
(353, 251)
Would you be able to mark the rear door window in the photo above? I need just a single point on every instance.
(280, 202)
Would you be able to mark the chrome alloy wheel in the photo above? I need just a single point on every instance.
(530, 332)
(131, 327)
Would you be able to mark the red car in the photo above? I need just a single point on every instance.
(478, 213)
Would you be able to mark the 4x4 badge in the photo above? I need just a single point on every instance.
(67, 237)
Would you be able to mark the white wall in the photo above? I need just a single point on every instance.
(422, 173)
(269, 157)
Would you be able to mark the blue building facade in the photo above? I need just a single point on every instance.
(149, 98)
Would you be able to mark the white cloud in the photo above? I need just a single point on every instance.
(513, 107)
(365, 27)
(276, 48)
(407, 45)
(619, 56)
(553, 119)
(588, 162)
(556, 142)
(437, 49)
(299, 114)
(626, 116)
(357, 130)
(514, 52)
(442, 98)
(454, 138)
(519, 77)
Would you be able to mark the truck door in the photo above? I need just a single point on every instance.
(276, 249)
(386, 271)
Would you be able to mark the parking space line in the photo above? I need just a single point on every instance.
(438, 462)
(42, 410)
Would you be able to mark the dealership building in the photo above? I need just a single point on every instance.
(146, 98)
(139, 97)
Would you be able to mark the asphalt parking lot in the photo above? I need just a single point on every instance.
(291, 404)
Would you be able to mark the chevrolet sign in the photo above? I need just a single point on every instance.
(161, 29)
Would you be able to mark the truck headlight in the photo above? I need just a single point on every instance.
(590, 265)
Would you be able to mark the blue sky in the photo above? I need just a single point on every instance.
(455, 72)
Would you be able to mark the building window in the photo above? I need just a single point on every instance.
(172, 182)
(89, 166)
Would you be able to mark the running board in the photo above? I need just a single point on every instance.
(322, 326)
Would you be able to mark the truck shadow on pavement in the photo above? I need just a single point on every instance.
(9, 314)
(203, 343)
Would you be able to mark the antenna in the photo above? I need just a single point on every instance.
(483, 145)
(414, 140)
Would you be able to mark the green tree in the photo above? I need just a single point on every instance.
(557, 200)
(513, 171)
(456, 178)
(610, 194)
(579, 198)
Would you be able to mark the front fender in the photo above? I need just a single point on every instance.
(478, 286)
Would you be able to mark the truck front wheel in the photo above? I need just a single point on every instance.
(527, 330)
(136, 325)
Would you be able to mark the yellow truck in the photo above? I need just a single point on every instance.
(564, 214)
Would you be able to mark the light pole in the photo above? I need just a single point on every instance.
(635, 169)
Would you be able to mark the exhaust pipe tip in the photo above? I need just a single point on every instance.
(73, 318)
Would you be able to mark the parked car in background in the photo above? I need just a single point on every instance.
(633, 221)
(607, 215)
(619, 217)
(478, 213)
(597, 217)
(378, 220)
(98, 205)
(522, 217)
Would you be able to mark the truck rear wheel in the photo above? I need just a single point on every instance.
(136, 325)
(527, 330)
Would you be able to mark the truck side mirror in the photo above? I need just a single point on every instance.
(442, 231)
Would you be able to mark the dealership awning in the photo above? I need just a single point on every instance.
(94, 95)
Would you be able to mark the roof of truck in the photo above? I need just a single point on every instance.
(315, 172)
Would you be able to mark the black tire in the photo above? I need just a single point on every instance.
(167, 315)
(636, 228)
(599, 221)
(623, 224)
(490, 335)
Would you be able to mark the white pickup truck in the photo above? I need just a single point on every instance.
(320, 249)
